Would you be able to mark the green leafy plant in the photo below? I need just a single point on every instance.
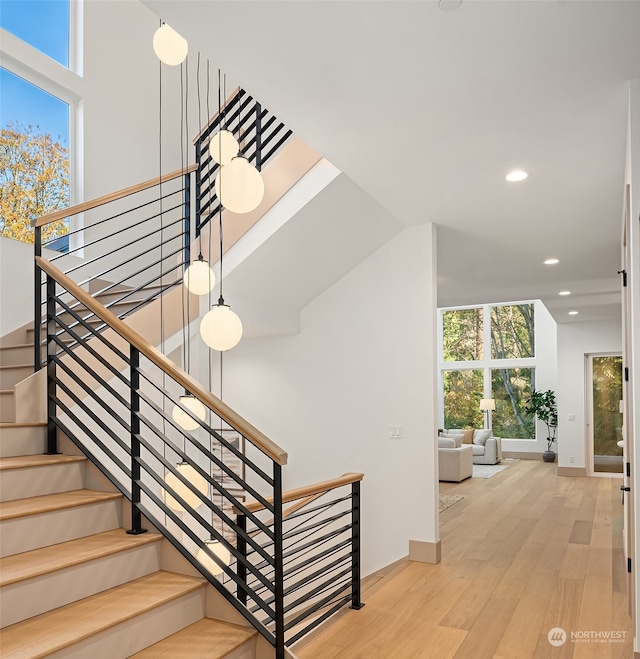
(543, 405)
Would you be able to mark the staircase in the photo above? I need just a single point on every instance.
(73, 583)
(112, 511)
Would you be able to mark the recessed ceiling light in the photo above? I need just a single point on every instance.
(516, 175)
(564, 293)
(573, 312)
(449, 5)
(551, 261)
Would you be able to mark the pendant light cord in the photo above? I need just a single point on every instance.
(200, 133)
(220, 299)
(185, 291)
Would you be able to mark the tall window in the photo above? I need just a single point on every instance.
(43, 24)
(489, 352)
(35, 131)
(34, 158)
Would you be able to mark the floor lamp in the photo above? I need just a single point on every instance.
(487, 405)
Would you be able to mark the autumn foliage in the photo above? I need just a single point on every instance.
(34, 181)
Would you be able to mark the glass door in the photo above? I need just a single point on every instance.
(606, 416)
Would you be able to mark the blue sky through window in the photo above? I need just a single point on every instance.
(44, 24)
(25, 103)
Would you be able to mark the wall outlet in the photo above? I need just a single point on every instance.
(395, 432)
(572, 417)
(572, 459)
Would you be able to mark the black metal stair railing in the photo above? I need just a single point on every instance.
(320, 552)
(115, 396)
(128, 247)
(260, 134)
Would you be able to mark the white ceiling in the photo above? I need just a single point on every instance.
(426, 111)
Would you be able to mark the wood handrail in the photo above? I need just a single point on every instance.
(113, 196)
(153, 354)
(306, 491)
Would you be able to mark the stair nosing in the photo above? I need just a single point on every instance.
(21, 424)
(55, 503)
(16, 365)
(101, 620)
(17, 345)
(39, 556)
(38, 460)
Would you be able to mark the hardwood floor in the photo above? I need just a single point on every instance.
(525, 551)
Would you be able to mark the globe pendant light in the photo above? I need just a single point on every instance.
(199, 277)
(207, 562)
(243, 186)
(175, 484)
(223, 147)
(221, 329)
(193, 405)
(169, 46)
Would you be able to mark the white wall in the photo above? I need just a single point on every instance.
(364, 360)
(16, 283)
(575, 340)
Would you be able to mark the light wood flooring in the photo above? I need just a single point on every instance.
(525, 551)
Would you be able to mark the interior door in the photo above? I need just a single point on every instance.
(605, 426)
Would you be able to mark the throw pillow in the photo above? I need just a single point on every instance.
(481, 436)
(446, 442)
(457, 437)
(467, 436)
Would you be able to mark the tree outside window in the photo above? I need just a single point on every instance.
(511, 389)
(34, 181)
(462, 394)
(511, 336)
(463, 335)
(512, 331)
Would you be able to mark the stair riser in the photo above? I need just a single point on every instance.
(35, 531)
(11, 376)
(131, 636)
(22, 441)
(7, 408)
(245, 651)
(34, 481)
(17, 355)
(29, 598)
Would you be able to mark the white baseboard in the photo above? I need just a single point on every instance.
(424, 552)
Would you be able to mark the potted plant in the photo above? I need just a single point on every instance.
(543, 405)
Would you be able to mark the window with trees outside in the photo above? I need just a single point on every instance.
(35, 131)
(489, 352)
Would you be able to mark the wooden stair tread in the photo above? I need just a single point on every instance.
(55, 630)
(36, 562)
(41, 460)
(21, 424)
(17, 345)
(51, 502)
(205, 639)
(9, 366)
